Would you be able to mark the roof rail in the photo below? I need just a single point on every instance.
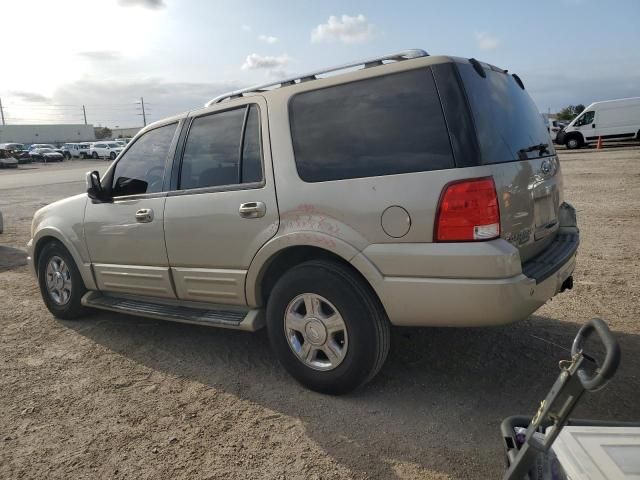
(369, 62)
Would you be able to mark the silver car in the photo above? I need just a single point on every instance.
(410, 190)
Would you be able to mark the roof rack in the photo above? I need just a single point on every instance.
(285, 82)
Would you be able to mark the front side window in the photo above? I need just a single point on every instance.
(141, 169)
(586, 118)
(223, 149)
(379, 126)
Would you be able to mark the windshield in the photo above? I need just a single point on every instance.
(508, 123)
(46, 150)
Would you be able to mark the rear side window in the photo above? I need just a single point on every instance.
(223, 149)
(507, 121)
(379, 126)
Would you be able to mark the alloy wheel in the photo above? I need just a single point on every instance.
(316, 332)
(58, 279)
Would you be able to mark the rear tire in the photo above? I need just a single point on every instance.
(112, 156)
(94, 155)
(60, 282)
(346, 320)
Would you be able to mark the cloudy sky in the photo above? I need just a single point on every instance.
(177, 54)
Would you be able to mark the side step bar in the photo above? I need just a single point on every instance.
(161, 309)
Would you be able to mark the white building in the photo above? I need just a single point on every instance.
(124, 132)
(46, 133)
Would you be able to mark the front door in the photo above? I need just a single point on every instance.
(125, 237)
(586, 125)
(224, 206)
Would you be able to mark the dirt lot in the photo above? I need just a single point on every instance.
(123, 397)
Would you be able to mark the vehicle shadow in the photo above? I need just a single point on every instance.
(437, 403)
(11, 258)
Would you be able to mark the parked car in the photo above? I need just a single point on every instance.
(611, 120)
(33, 146)
(105, 150)
(75, 150)
(8, 162)
(8, 156)
(11, 146)
(46, 155)
(22, 156)
(423, 191)
(553, 127)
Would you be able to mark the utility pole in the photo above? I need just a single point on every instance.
(144, 116)
(2, 112)
(84, 112)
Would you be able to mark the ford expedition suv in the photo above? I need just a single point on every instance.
(410, 190)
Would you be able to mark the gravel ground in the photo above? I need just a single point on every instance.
(123, 397)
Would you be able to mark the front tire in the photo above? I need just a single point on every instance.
(60, 282)
(573, 142)
(94, 155)
(327, 327)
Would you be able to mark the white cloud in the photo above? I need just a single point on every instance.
(101, 55)
(266, 62)
(486, 41)
(246, 28)
(29, 96)
(152, 4)
(268, 39)
(345, 29)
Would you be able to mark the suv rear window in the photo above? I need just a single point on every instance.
(506, 119)
(379, 126)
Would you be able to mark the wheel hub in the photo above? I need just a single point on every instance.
(58, 280)
(316, 332)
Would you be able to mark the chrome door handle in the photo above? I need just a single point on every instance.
(144, 215)
(252, 210)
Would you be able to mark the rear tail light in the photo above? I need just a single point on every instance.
(468, 211)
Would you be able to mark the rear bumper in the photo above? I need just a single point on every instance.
(478, 301)
(468, 303)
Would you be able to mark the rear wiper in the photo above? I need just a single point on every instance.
(541, 147)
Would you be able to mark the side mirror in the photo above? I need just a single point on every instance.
(94, 187)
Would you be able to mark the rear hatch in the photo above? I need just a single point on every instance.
(514, 141)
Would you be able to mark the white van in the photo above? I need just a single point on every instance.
(611, 120)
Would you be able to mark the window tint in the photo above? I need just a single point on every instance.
(586, 118)
(379, 126)
(506, 119)
(212, 154)
(141, 169)
(251, 154)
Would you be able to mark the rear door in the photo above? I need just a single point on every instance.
(223, 205)
(514, 141)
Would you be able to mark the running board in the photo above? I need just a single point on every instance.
(236, 318)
